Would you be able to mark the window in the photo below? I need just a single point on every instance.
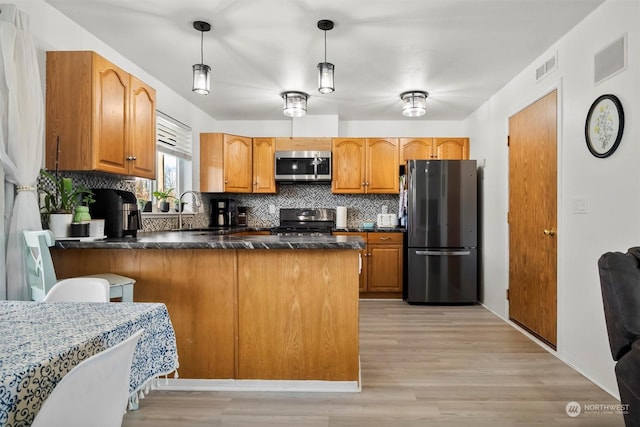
(173, 162)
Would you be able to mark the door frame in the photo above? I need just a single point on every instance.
(560, 270)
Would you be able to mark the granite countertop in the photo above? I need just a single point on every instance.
(396, 229)
(213, 239)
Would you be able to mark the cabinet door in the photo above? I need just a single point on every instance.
(451, 148)
(264, 151)
(348, 165)
(382, 156)
(238, 164)
(385, 255)
(111, 117)
(415, 149)
(141, 154)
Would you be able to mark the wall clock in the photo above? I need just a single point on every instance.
(604, 126)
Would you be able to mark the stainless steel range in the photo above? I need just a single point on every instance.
(305, 222)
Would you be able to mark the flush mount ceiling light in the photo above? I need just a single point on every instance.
(295, 104)
(201, 71)
(414, 103)
(325, 69)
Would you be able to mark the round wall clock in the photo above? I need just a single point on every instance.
(604, 126)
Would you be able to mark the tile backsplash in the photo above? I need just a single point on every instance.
(360, 207)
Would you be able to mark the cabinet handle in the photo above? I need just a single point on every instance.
(131, 157)
(385, 238)
(226, 182)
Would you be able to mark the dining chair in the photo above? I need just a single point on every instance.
(41, 275)
(94, 393)
(79, 289)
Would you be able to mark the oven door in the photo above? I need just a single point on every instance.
(303, 166)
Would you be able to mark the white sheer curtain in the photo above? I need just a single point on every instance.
(21, 134)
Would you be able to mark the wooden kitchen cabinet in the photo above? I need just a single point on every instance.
(433, 148)
(382, 263)
(226, 163)
(264, 152)
(365, 165)
(98, 117)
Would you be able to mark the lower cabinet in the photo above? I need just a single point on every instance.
(382, 263)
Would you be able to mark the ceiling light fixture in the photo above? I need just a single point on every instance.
(325, 69)
(295, 103)
(201, 71)
(414, 103)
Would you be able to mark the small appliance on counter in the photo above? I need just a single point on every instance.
(242, 216)
(222, 213)
(387, 220)
(120, 212)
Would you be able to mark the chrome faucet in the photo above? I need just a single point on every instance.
(197, 204)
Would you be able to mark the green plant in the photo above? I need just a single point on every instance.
(164, 194)
(65, 196)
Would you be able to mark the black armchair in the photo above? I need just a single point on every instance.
(620, 285)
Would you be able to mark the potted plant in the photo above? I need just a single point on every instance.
(163, 197)
(60, 203)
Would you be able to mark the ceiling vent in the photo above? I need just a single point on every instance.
(547, 67)
(611, 60)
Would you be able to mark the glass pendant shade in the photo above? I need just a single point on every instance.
(325, 77)
(201, 79)
(414, 103)
(295, 104)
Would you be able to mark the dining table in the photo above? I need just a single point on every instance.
(40, 342)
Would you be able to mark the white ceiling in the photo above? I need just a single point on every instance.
(460, 51)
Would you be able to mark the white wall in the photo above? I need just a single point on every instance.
(330, 126)
(609, 185)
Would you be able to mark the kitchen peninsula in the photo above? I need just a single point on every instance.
(243, 307)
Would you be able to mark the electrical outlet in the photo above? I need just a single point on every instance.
(272, 209)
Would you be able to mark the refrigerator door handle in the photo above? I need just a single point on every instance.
(444, 253)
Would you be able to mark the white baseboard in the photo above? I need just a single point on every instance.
(259, 385)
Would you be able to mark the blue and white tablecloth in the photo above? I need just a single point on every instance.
(41, 342)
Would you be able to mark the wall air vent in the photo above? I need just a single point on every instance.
(547, 67)
(611, 60)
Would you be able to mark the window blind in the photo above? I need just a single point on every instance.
(173, 137)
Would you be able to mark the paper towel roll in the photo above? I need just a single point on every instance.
(341, 217)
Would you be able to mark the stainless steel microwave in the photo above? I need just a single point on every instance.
(303, 166)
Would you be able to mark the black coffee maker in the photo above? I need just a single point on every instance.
(120, 212)
(221, 213)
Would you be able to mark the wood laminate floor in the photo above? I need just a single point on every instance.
(421, 366)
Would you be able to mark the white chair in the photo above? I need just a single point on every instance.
(42, 276)
(78, 289)
(95, 393)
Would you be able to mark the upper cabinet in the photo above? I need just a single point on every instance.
(225, 163)
(362, 165)
(264, 151)
(99, 117)
(433, 148)
(348, 165)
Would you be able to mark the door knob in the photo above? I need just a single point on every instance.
(549, 232)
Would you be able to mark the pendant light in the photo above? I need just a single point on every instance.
(295, 103)
(325, 69)
(414, 103)
(201, 71)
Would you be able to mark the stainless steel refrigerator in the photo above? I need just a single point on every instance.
(442, 232)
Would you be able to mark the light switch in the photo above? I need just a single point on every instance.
(578, 205)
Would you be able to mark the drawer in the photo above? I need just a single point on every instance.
(385, 238)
